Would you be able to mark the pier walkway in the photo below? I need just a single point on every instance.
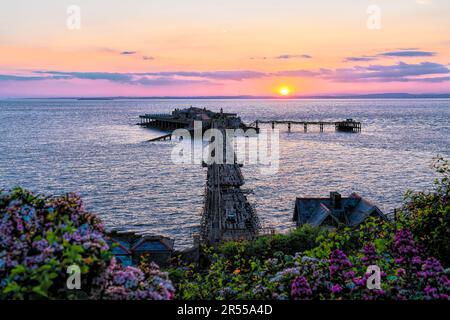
(227, 213)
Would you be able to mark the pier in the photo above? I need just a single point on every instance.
(349, 125)
(227, 213)
(162, 138)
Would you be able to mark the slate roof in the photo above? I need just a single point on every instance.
(315, 211)
(129, 243)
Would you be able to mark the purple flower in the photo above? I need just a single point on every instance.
(336, 288)
(370, 255)
(300, 289)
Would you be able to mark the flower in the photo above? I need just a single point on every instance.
(300, 289)
(370, 255)
(336, 288)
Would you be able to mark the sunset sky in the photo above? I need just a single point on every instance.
(223, 47)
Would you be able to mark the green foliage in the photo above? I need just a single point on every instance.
(427, 214)
(298, 240)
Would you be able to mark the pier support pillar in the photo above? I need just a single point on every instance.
(273, 125)
(289, 127)
(321, 127)
(305, 127)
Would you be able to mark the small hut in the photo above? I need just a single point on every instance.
(129, 248)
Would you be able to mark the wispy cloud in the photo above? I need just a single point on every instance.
(118, 77)
(399, 72)
(399, 53)
(284, 57)
(236, 75)
(360, 59)
(293, 56)
(126, 53)
(8, 77)
(300, 73)
(408, 53)
(148, 58)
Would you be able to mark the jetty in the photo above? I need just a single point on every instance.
(160, 138)
(348, 125)
(227, 213)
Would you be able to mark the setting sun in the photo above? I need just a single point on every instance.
(284, 91)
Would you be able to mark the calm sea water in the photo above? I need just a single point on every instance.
(95, 148)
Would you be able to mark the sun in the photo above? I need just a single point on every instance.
(284, 91)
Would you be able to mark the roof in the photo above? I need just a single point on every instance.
(315, 211)
(129, 242)
(363, 209)
(153, 244)
(121, 247)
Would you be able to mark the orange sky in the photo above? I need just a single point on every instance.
(196, 47)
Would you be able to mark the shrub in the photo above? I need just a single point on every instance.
(40, 237)
(427, 214)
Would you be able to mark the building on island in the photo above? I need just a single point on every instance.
(129, 248)
(335, 210)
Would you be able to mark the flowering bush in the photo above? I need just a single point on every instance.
(427, 214)
(132, 283)
(405, 274)
(40, 237)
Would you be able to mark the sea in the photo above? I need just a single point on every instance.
(96, 148)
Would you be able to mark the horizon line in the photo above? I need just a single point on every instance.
(293, 97)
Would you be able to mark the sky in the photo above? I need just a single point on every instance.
(85, 48)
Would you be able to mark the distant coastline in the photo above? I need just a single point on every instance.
(348, 96)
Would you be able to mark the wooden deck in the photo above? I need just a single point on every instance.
(227, 213)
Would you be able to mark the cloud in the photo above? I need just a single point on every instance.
(408, 53)
(360, 59)
(125, 53)
(285, 57)
(170, 81)
(7, 77)
(400, 72)
(118, 77)
(300, 73)
(399, 53)
(293, 56)
(217, 75)
(148, 58)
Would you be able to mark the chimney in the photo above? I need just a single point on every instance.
(336, 202)
(196, 237)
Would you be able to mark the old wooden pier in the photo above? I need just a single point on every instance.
(227, 214)
(348, 125)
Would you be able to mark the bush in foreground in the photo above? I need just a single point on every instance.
(40, 237)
